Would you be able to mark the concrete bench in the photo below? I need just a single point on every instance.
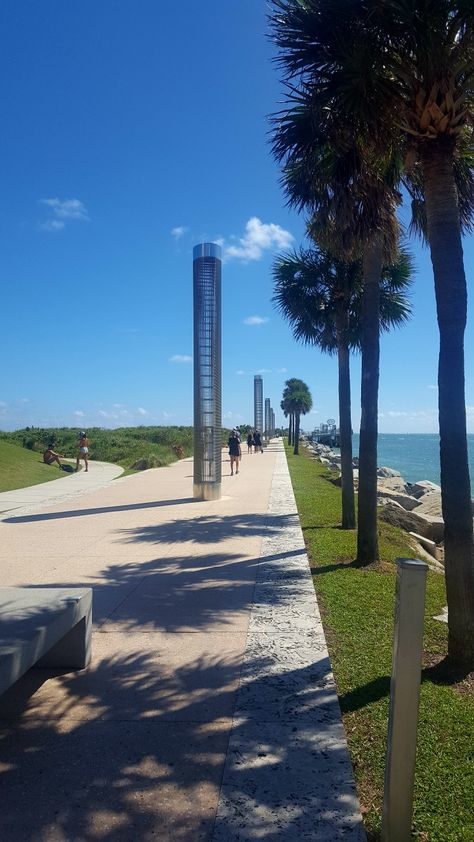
(44, 627)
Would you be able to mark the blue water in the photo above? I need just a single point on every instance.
(416, 456)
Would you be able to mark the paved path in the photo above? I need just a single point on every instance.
(209, 711)
(57, 490)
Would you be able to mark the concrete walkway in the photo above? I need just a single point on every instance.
(209, 711)
(57, 490)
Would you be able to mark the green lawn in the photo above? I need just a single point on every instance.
(357, 606)
(20, 467)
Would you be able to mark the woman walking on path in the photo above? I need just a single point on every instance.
(83, 451)
(249, 441)
(257, 440)
(235, 452)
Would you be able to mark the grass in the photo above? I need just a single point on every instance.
(20, 467)
(357, 606)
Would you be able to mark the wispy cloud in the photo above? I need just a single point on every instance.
(142, 411)
(52, 225)
(181, 358)
(255, 320)
(281, 370)
(63, 210)
(78, 413)
(178, 232)
(264, 371)
(258, 238)
(240, 371)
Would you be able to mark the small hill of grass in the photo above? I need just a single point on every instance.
(20, 468)
(134, 448)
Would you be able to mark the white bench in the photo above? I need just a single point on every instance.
(44, 627)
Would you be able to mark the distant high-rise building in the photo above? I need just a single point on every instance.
(207, 371)
(272, 422)
(268, 423)
(258, 402)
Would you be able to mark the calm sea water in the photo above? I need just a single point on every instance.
(415, 456)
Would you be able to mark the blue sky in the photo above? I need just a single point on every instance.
(130, 132)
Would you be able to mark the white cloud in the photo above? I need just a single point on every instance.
(181, 358)
(255, 320)
(281, 370)
(78, 413)
(178, 232)
(66, 208)
(142, 411)
(52, 225)
(264, 371)
(103, 414)
(240, 371)
(258, 237)
(62, 210)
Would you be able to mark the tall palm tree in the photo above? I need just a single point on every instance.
(335, 170)
(321, 297)
(403, 70)
(431, 66)
(299, 402)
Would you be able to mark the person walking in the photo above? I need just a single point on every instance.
(257, 440)
(235, 452)
(249, 441)
(83, 451)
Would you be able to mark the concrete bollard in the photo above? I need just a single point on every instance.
(404, 700)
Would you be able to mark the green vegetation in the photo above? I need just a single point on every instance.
(20, 468)
(357, 605)
(134, 448)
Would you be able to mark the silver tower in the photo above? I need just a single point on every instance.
(207, 371)
(258, 402)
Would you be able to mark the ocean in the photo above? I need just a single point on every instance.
(415, 455)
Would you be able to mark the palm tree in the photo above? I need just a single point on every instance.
(299, 401)
(431, 64)
(335, 170)
(404, 71)
(321, 296)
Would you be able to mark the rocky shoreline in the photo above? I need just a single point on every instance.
(414, 507)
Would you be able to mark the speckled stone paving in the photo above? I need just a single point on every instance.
(288, 774)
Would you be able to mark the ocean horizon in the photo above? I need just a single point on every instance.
(415, 455)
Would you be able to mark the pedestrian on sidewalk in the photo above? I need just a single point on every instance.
(235, 452)
(257, 440)
(249, 441)
(83, 451)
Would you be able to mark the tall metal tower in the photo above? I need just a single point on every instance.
(207, 371)
(268, 424)
(258, 402)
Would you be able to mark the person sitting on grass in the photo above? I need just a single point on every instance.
(50, 456)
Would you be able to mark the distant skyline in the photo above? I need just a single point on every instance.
(132, 132)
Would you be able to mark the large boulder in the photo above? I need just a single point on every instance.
(387, 472)
(430, 504)
(396, 484)
(404, 500)
(422, 487)
(426, 525)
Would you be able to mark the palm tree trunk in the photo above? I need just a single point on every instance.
(296, 433)
(367, 538)
(290, 430)
(444, 236)
(345, 433)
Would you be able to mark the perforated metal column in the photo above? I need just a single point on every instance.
(258, 402)
(207, 371)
